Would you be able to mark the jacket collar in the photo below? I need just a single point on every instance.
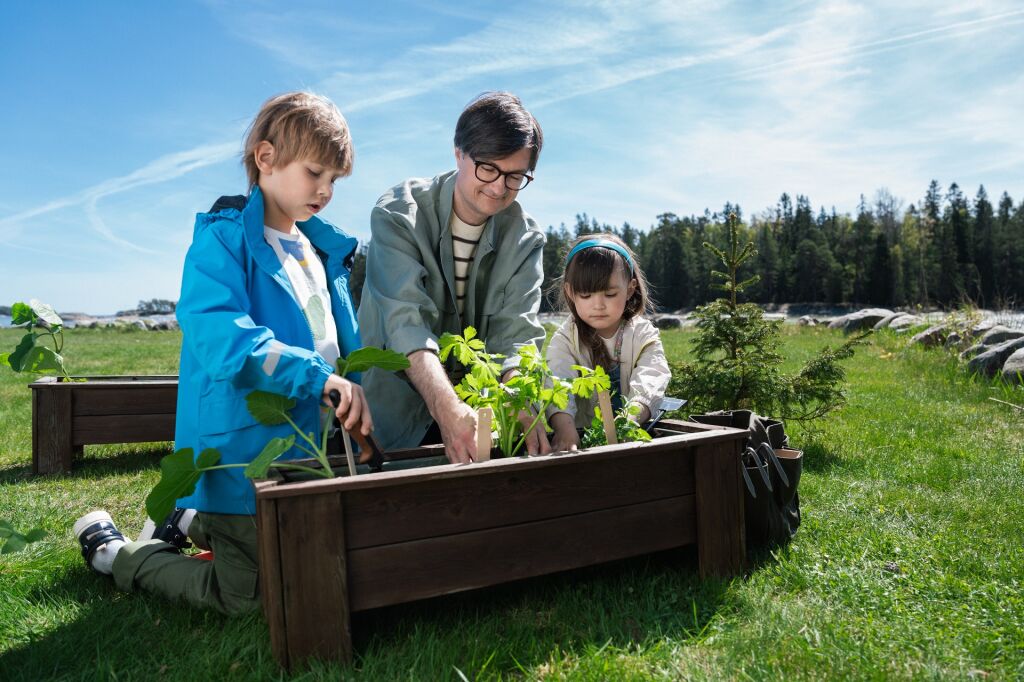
(324, 236)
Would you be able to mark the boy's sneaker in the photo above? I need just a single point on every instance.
(174, 529)
(99, 539)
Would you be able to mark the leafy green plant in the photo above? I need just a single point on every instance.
(15, 541)
(180, 471)
(627, 428)
(532, 389)
(737, 360)
(42, 326)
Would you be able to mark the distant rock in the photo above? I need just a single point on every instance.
(999, 333)
(808, 321)
(884, 322)
(933, 336)
(668, 322)
(904, 322)
(862, 319)
(991, 361)
(1013, 368)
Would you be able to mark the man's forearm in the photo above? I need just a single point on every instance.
(429, 378)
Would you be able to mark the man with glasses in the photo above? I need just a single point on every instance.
(449, 252)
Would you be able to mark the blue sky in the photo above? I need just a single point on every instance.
(123, 119)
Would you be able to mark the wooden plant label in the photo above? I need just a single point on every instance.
(484, 417)
(604, 401)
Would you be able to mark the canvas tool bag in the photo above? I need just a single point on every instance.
(771, 473)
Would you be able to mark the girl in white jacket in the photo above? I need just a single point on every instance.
(606, 292)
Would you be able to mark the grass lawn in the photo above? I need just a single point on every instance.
(909, 562)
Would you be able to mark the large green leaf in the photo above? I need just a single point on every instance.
(40, 360)
(179, 473)
(17, 359)
(6, 529)
(275, 448)
(269, 409)
(21, 313)
(46, 313)
(364, 358)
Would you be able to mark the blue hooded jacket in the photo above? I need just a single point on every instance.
(243, 330)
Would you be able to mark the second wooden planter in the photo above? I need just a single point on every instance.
(330, 547)
(67, 415)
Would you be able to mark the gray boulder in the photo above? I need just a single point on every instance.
(668, 322)
(933, 336)
(998, 334)
(976, 349)
(1013, 368)
(808, 321)
(862, 319)
(990, 362)
(884, 322)
(902, 323)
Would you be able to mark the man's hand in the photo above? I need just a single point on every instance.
(565, 438)
(352, 410)
(456, 419)
(458, 431)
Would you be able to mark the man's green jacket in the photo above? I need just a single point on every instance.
(408, 298)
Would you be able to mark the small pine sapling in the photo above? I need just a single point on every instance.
(737, 363)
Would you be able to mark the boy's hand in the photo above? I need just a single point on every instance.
(352, 410)
(565, 438)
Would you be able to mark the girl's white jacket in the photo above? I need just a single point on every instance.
(644, 372)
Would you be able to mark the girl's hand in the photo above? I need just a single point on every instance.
(565, 438)
(352, 410)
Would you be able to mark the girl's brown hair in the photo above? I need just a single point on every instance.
(591, 270)
(300, 125)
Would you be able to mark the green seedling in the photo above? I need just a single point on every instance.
(627, 428)
(180, 471)
(531, 389)
(43, 328)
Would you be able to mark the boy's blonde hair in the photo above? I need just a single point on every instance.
(300, 125)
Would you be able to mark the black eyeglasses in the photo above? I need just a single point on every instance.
(488, 172)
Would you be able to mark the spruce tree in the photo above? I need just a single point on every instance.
(737, 362)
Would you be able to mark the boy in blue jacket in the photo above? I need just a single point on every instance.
(264, 305)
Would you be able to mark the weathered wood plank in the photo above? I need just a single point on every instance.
(392, 574)
(441, 506)
(389, 478)
(52, 445)
(126, 399)
(315, 593)
(721, 541)
(271, 587)
(122, 428)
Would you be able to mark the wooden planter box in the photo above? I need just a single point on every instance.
(67, 415)
(331, 547)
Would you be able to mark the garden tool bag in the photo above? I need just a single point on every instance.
(771, 474)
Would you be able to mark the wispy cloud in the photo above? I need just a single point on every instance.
(160, 170)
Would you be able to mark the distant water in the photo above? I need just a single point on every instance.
(5, 320)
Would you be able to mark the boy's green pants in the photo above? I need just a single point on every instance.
(227, 584)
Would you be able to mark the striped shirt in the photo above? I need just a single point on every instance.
(465, 237)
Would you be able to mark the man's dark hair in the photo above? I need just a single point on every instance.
(495, 125)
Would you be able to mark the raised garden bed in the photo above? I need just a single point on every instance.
(331, 547)
(67, 415)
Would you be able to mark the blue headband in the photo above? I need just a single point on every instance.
(604, 244)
